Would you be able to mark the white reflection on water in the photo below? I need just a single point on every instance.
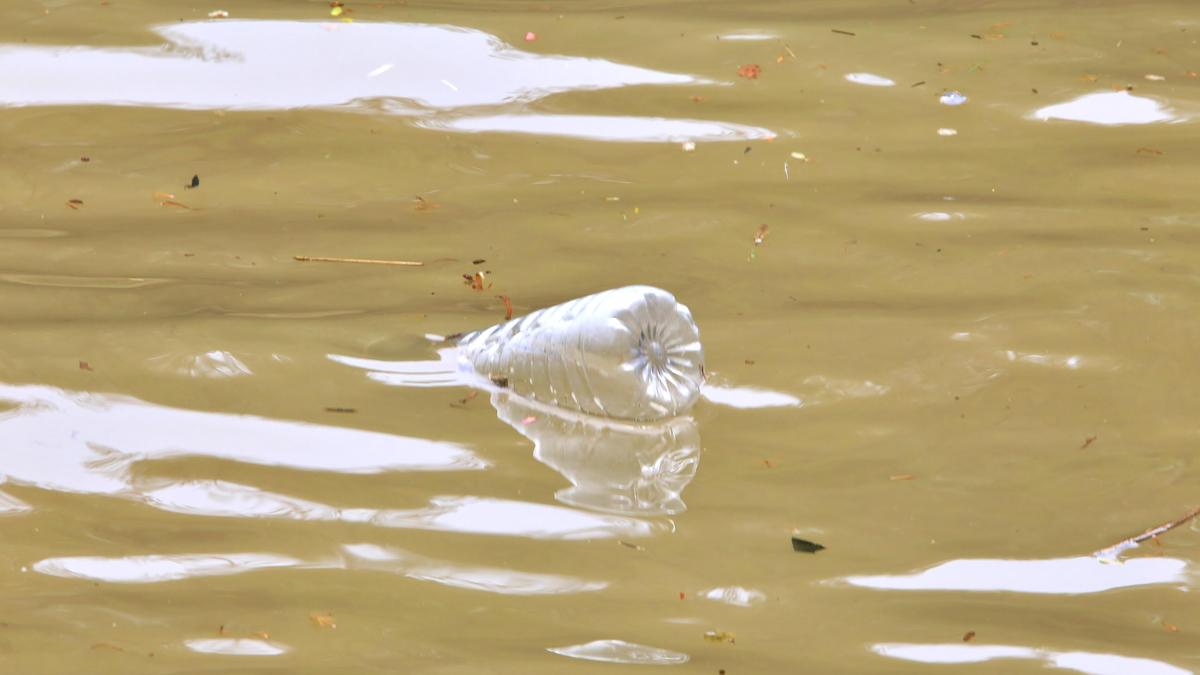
(1091, 663)
(870, 80)
(469, 515)
(470, 577)
(748, 397)
(236, 647)
(214, 364)
(1069, 576)
(265, 65)
(605, 127)
(735, 595)
(403, 69)
(84, 442)
(1109, 108)
(619, 651)
(147, 569)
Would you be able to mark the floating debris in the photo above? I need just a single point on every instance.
(194, 184)
(750, 71)
(74, 204)
(323, 620)
(805, 546)
(952, 98)
(720, 636)
(422, 204)
(947, 131)
(760, 235)
(843, 32)
(365, 261)
(218, 14)
(530, 36)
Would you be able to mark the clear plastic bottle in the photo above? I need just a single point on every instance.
(629, 353)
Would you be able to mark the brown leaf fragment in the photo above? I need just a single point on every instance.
(1149, 151)
(169, 202)
(1171, 628)
(74, 204)
(843, 32)
(341, 410)
(902, 476)
(508, 308)
(323, 620)
(83, 365)
(261, 635)
(968, 636)
(1087, 441)
(106, 647)
(631, 545)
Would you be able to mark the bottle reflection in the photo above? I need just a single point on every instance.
(614, 467)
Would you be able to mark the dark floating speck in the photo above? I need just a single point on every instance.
(195, 182)
(805, 546)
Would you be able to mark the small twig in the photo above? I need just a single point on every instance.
(1152, 533)
(365, 261)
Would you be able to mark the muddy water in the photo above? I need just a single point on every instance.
(961, 359)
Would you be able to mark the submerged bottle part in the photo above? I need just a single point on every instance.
(630, 468)
(629, 353)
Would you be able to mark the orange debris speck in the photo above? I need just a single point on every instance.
(750, 71)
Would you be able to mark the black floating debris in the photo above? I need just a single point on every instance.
(805, 546)
(195, 182)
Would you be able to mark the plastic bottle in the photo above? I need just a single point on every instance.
(629, 353)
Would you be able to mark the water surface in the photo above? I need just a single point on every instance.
(961, 358)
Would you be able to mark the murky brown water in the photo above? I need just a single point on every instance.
(963, 358)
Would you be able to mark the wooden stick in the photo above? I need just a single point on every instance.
(1148, 534)
(365, 261)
